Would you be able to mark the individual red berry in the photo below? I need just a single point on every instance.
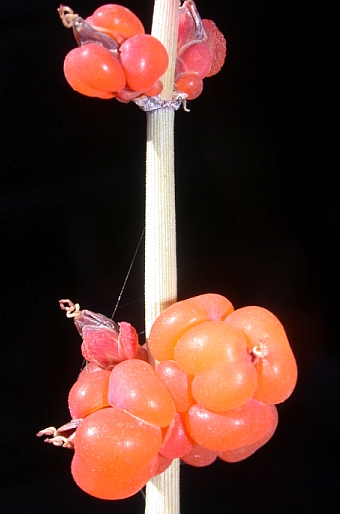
(135, 387)
(126, 95)
(243, 452)
(226, 387)
(269, 347)
(176, 442)
(115, 453)
(155, 90)
(89, 393)
(93, 68)
(209, 345)
(228, 430)
(144, 60)
(199, 456)
(177, 382)
(117, 21)
(163, 464)
(197, 57)
(112, 435)
(216, 355)
(110, 482)
(189, 83)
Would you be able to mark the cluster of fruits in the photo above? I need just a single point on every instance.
(116, 59)
(201, 50)
(212, 393)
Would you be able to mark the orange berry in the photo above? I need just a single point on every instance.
(177, 319)
(243, 452)
(112, 436)
(135, 387)
(89, 393)
(228, 430)
(209, 345)
(269, 346)
(107, 481)
(225, 387)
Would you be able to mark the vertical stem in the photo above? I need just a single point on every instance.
(160, 220)
(162, 492)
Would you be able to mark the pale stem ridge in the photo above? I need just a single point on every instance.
(162, 492)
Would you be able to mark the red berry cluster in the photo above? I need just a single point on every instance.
(201, 50)
(211, 394)
(116, 59)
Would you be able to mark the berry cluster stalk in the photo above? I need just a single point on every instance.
(162, 492)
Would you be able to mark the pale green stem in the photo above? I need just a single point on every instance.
(162, 492)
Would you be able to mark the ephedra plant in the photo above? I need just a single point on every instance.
(206, 383)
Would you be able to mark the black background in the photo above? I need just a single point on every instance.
(258, 221)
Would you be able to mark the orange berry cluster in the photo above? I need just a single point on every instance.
(212, 393)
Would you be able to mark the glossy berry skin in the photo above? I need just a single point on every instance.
(89, 393)
(211, 395)
(199, 456)
(177, 382)
(163, 464)
(273, 357)
(177, 319)
(232, 429)
(243, 452)
(210, 345)
(115, 453)
(216, 354)
(111, 482)
(176, 442)
(112, 434)
(198, 58)
(201, 49)
(144, 60)
(226, 387)
(117, 21)
(190, 83)
(135, 387)
(93, 71)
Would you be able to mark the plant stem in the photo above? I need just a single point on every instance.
(162, 492)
